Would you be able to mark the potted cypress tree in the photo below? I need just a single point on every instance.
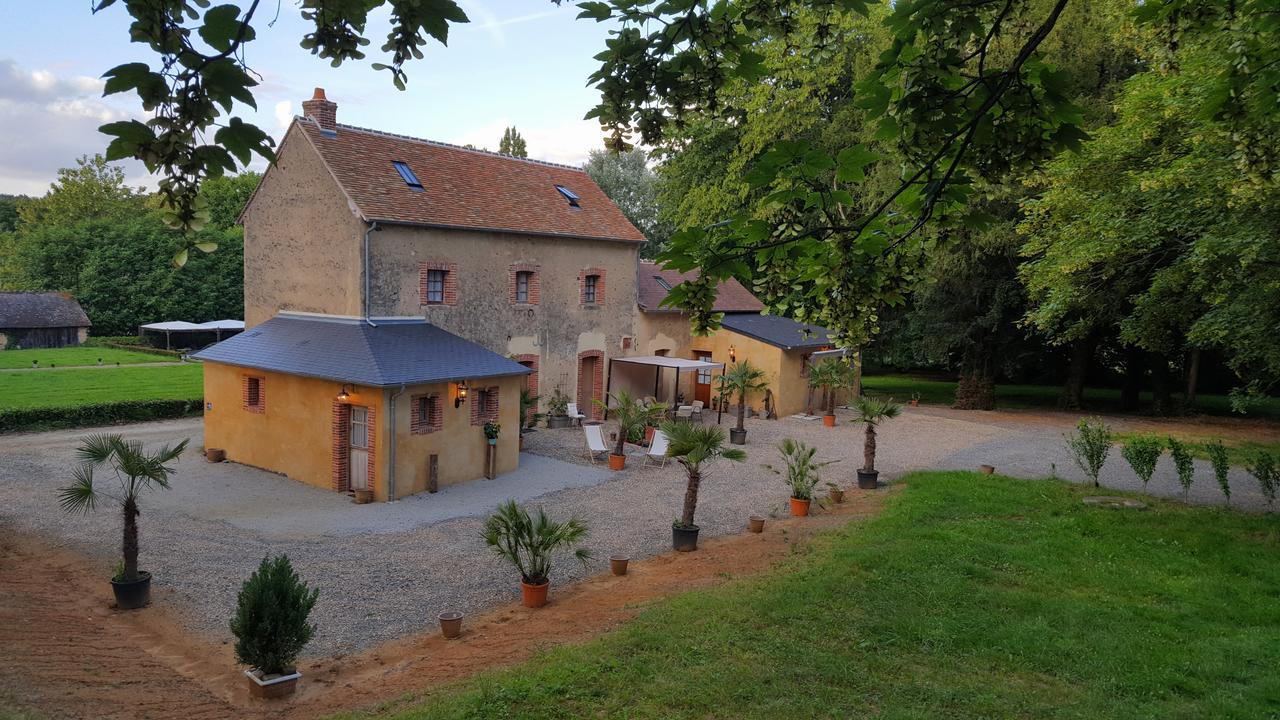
(528, 542)
(871, 412)
(135, 470)
(694, 446)
(742, 378)
(631, 415)
(271, 627)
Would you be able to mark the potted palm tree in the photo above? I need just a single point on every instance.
(831, 376)
(694, 446)
(800, 472)
(740, 379)
(271, 628)
(872, 412)
(528, 543)
(135, 470)
(631, 415)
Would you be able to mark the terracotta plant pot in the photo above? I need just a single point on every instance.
(618, 564)
(363, 497)
(450, 624)
(755, 524)
(133, 595)
(684, 539)
(987, 469)
(799, 508)
(868, 480)
(829, 420)
(649, 430)
(215, 455)
(534, 596)
(617, 462)
(836, 495)
(915, 403)
(272, 686)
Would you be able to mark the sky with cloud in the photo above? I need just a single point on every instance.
(518, 62)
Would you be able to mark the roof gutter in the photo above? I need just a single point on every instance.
(373, 227)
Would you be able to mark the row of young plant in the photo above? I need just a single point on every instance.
(1093, 440)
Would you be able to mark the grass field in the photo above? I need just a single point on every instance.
(942, 392)
(969, 597)
(75, 356)
(67, 388)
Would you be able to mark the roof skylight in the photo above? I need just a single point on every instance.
(406, 174)
(569, 195)
(663, 283)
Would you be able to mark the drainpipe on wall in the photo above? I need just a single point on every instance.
(391, 472)
(373, 227)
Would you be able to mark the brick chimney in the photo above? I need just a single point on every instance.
(322, 110)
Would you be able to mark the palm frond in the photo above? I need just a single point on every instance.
(97, 449)
(79, 498)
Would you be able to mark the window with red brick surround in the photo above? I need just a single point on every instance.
(484, 405)
(427, 414)
(591, 286)
(253, 393)
(524, 285)
(437, 283)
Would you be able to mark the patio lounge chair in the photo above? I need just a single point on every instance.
(595, 443)
(573, 413)
(697, 408)
(656, 456)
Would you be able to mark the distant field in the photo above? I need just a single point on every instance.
(942, 392)
(69, 388)
(74, 356)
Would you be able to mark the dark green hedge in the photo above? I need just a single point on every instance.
(22, 419)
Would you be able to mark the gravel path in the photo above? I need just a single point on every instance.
(386, 570)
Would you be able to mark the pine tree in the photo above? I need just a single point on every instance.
(513, 144)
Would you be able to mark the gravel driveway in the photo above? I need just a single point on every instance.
(386, 570)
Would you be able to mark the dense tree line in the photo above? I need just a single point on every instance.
(107, 244)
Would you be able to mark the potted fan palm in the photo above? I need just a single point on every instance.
(271, 626)
(741, 379)
(831, 376)
(800, 472)
(872, 412)
(632, 416)
(135, 470)
(694, 446)
(528, 543)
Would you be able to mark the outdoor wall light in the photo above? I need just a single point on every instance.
(343, 394)
(733, 354)
(462, 395)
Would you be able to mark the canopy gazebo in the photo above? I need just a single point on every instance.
(659, 363)
(217, 327)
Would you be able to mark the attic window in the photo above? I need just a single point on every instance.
(663, 283)
(569, 195)
(406, 174)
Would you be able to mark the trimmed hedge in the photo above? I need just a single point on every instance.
(125, 411)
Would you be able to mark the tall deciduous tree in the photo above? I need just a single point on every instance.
(631, 184)
(513, 144)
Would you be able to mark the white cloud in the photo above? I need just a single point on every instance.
(567, 144)
(284, 115)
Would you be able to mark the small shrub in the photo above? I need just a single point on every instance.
(1089, 446)
(1217, 453)
(1263, 467)
(271, 625)
(800, 470)
(1142, 453)
(528, 542)
(1184, 463)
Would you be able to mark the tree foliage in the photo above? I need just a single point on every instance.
(513, 144)
(270, 624)
(633, 186)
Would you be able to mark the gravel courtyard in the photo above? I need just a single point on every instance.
(386, 570)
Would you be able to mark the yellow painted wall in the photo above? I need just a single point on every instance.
(781, 368)
(294, 435)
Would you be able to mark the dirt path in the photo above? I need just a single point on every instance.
(67, 654)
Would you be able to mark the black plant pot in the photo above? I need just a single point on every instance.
(737, 437)
(133, 595)
(684, 539)
(556, 422)
(867, 479)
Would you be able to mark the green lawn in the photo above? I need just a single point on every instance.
(969, 597)
(72, 356)
(68, 388)
(942, 392)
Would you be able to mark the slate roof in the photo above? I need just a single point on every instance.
(399, 351)
(731, 296)
(41, 310)
(777, 330)
(464, 188)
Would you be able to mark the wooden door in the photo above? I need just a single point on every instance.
(702, 379)
(359, 436)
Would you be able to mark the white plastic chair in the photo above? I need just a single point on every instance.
(684, 412)
(697, 408)
(656, 456)
(572, 412)
(595, 443)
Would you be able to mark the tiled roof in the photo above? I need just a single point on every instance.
(399, 351)
(41, 310)
(464, 188)
(731, 296)
(776, 330)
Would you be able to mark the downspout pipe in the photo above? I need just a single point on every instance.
(391, 444)
(373, 227)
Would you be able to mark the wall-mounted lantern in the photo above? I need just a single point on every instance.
(344, 394)
(733, 354)
(461, 397)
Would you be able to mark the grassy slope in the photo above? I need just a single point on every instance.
(941, 392)
(63, 388)
(68, 357)
(969, 597)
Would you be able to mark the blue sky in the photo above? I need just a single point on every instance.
(521, 62)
